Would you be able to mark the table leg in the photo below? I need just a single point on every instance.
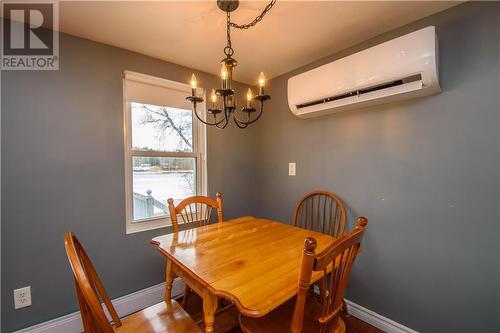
(209, 308)
(169, 280)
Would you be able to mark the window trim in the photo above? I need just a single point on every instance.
(199, 152)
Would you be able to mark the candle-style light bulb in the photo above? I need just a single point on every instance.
(223, 72)
(249, 98)
(214, 98)
(194, 83)
(262, 82)
(223, 76)
(230, 101)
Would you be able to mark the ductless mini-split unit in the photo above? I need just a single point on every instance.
(402, 68)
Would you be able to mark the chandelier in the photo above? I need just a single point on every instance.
(220, 113)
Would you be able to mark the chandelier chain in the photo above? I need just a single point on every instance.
(256, 20)
(228, 50)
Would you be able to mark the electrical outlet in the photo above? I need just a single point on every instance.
(291, 169)
(22, 297)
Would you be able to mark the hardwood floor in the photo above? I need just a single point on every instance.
(227, 322)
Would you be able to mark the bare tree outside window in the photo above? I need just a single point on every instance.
(161, 129)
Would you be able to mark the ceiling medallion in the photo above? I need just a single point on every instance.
(227, 108)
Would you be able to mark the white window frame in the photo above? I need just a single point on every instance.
(199, 152)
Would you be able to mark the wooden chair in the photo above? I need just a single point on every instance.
(322, 212)
(195, 212)
(317, 316)
(162, 317)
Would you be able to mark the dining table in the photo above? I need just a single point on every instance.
(252, 262)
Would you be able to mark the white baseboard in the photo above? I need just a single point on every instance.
(124, 305)
(374, 319)
(141, 299)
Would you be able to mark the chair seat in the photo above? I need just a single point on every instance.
(159, 318)
(278, 320)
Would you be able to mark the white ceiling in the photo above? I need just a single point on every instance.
(192, 33)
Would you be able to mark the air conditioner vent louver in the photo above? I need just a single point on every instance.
(402, 68)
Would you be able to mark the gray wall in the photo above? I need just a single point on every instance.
(424, 172)
(62, 169)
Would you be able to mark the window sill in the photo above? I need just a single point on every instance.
(146, 225)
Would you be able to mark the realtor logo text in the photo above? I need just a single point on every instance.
(30, 40)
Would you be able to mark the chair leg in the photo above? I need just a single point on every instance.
(187, 291)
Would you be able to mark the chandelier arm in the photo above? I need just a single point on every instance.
(219, 122)
(240, 123)
(203, 121)
(226, 118)
(219, 126)
(256, 118)
(245, 125)
(223, 126)
(257, 19)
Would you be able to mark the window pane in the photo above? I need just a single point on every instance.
(155, 179)
(161, 128)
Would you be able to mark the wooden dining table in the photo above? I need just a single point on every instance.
(252, 262)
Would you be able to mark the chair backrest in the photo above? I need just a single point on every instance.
(89, 289)
(337, 257)
(195, 211)
(320, 211)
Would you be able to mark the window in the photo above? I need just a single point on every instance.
(164, 149)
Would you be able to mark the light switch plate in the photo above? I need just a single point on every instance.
(292, 169)
(22, 297)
